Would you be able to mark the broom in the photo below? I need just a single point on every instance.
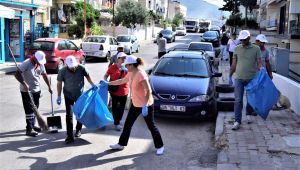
(42, 123)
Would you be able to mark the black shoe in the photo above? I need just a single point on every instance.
(31, 133)
(78, 133)
(37, 129)
(69, 140)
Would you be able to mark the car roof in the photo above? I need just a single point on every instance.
(50, 39)
(184, 54)
(125, 35)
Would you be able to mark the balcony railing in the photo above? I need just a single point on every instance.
(294, 29)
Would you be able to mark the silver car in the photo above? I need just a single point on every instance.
(130, 43)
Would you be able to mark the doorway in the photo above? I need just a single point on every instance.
(282, 20)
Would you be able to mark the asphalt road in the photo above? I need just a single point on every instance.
(188, 143)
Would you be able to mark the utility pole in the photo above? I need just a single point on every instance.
(84, 35)
(113, 19)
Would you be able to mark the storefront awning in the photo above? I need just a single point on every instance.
(6, 12)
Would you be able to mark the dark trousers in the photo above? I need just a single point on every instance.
(118, 106)
(230, 57)
(28, 107)
(133, 113)
(160, 54)
(69, 117)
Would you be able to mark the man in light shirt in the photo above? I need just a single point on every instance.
(161, 43)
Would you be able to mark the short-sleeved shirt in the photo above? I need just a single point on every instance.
(161, 42)
(232, 44)
(247, 58)
(138, 93)
(73, 81)
(114, 73)
(31, 75)
(265, 57)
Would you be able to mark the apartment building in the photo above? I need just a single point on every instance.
(174, 8)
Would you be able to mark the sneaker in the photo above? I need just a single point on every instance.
(31, 133)
(249, 119)
(116, 147)
(160, 151)
(235, 126)
(37, 129)
(78, 133)
(118, 127)
(69, 140)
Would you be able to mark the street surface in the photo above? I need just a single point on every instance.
(188, 143)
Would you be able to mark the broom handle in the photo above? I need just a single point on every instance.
(11, 53)
(51, 99)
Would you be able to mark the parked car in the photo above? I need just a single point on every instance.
(56, 50)
(169, 35)
(212, 37)
(130, 42)
(183, 85)
(103, 46)
(216, 28)
(180, 31)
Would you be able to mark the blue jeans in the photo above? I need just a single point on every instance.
(239, 86)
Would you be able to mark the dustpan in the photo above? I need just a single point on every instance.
(54, 122)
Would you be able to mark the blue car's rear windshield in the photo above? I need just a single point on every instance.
(193, 67)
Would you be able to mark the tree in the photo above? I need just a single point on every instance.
(130, 13)
(178, 19)
(231, 6)
(248, 4)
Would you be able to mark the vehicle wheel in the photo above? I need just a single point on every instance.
(59, 66)
(225, 104)
(214, 111)
(138, 49)
(174, 39)
(107, 58)
(224, 88)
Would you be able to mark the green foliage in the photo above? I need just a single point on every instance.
(129, 13)
(75, 29)
(238, 20)
(177, 20)
(231, 6)
(96, 29)
(107, 10)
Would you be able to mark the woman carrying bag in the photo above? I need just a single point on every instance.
(142, 103)
(118, 93)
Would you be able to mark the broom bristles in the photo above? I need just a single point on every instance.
(42, 123)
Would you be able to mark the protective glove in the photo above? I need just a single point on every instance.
(58, 100)
(230, 81)
(145, 110)
(103, 83)
(123, 68)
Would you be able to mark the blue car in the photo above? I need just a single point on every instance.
(183, 85)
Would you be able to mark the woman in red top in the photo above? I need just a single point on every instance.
(118, 97)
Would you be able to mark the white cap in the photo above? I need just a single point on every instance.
(121, 54)
(130, 59)
(244, 34)
(71, 61)
(40, 56)
(262, 38)
(120, 46)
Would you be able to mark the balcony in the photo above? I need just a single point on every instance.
(294, 29)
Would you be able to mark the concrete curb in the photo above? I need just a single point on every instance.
(6, 71)
(219, 126)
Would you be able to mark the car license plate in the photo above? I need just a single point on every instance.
(172, 108)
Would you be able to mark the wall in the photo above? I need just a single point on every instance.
(289, 88)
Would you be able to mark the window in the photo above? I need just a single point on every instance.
(111, 41)
(71, 46)
(42, 45)
(95, 39)
(198, 46)
(62, 45)
(123, 38)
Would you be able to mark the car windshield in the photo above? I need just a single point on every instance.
(95, 39)
(179, 28)
(209, 34)
(123, 38)
(42, 45)
(182, 67)
(198, 46)
(166, 32)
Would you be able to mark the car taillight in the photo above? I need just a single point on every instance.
(101, 47)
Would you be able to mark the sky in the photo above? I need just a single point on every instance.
(219, 3)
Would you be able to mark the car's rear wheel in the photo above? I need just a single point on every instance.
(107, 57)
(137, 49)
(59, 66)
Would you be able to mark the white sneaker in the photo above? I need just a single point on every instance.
(160, 151)
(116, 147)
(118, 127)
(235, 126)
(249, 119)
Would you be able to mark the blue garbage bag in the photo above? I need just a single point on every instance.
(91, 111)
(262, 93)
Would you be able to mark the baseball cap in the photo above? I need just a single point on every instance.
(40, 56)
(262, 38)
(130, 59)
(71, 61)
(244, 34)
(121, 54)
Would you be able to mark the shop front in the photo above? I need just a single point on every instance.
(17, 31)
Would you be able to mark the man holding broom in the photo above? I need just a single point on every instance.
(28, 74)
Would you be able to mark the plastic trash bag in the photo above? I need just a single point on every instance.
(91, 111)
(262, 93)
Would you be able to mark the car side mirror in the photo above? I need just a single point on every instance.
(217, 75)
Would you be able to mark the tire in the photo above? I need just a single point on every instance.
(59, 66)
(225, 104)
(137, 49)
(224, 88)
(107, 57)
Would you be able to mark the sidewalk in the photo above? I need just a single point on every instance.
(6, 68)
(261, 145)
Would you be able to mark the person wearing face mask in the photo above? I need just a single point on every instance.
(246, 62)
(30, 71)
(72, 75)
(119, 95)
(260, 41)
